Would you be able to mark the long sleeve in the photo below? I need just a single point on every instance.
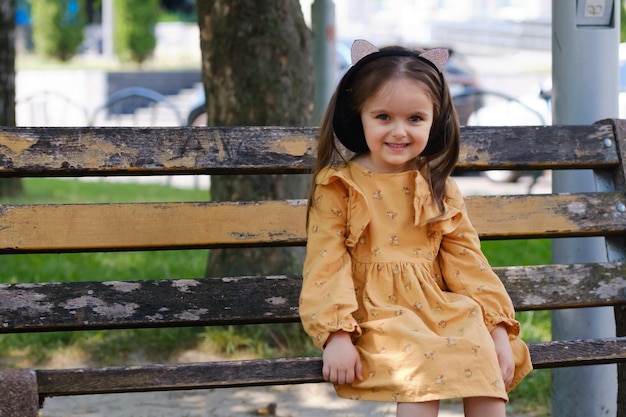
(466, 270)
(328, 299)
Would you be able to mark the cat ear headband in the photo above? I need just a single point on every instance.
(347, 122)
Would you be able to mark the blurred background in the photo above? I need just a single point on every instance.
(502, 47)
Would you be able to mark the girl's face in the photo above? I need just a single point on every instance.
(396, 121)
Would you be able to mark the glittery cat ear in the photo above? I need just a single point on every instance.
(438, 56)
(360, 49)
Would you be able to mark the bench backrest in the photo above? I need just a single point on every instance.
(77, 152)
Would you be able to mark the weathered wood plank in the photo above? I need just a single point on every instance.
(558, 354)
(109, 227)
(155, 303)
(548, 287)
(62, 151)
(537, 147)
(282, 371)
(224, 374)
(547, 216)
(217, 301)
(55, 151)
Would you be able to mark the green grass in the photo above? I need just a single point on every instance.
(105, 348)
(101, 347)
(46, 190)
(533, 394)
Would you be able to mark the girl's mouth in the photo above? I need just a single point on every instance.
(396, 145)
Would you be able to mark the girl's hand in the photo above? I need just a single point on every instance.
(504, 352)
(341, 359)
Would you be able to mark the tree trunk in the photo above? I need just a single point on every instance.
(257, 71)
(11, 186)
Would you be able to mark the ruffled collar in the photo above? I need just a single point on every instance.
(359, 214)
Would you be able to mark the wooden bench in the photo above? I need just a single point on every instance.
(75, 152)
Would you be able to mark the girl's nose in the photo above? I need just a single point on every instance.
(398, 131)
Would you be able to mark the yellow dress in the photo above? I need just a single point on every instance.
(418, 296)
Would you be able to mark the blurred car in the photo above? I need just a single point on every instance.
(460, 76)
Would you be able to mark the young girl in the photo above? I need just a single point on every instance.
(396, 290)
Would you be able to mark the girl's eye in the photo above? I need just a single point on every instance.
(415, 119)
(382, 117)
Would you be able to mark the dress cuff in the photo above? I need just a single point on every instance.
(353, 329)
(512, 325)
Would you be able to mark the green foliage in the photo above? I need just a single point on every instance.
(622, 31)
(259, 340)
(533, 395)
(116, 347)
(134, 36)
(178, 16)
(58, 27)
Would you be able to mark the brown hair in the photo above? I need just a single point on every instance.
(438, 159)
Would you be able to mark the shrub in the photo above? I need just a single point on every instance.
(58, 27)
(134, 22)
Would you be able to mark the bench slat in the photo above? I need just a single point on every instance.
(217, 301)
(76, 151)
(185, 302)
(282, 371)
(549, 287)
(224, 374)
(90, 227)
(559, 354)
(547, 216)
(145, 151)
(539, 147)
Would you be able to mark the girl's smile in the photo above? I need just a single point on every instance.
(396, 121)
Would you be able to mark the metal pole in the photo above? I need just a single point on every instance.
(107, 29)
(585, 80)
(324, 57)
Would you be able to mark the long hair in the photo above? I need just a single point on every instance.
(438, 159)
